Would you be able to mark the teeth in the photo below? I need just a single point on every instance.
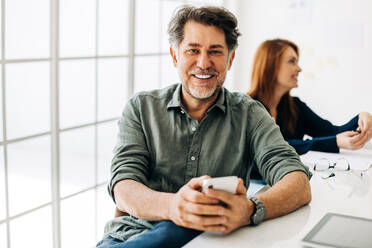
(203, 76)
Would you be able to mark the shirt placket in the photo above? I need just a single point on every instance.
(194, 151)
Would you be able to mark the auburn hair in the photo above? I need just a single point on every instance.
(266, 65)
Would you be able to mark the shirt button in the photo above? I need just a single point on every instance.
(192, 158)
(193, 129)
(182, 112)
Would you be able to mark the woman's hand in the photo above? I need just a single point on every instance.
(351, 140)
(365, 124)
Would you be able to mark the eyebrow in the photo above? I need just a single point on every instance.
(211, 47)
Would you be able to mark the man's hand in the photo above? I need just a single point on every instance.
(193, 209)
(351, 140)
(239, 209)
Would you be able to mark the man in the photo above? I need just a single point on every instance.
(170, 138)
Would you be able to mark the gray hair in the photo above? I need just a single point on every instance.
(211, 16)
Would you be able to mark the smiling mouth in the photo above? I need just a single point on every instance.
(203, 76)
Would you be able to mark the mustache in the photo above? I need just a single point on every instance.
(209, 71)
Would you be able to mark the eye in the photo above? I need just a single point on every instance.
(192, 51)
(215, 52)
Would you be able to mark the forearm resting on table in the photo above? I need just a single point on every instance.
(140, 201)
(290, 193)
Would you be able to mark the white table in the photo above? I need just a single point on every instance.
(346, 193)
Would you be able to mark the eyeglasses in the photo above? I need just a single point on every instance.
(361, 172)
(324, 164)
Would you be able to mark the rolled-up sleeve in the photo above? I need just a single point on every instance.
(272, 155)
(131, 155)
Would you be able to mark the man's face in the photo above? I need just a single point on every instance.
(202, 60)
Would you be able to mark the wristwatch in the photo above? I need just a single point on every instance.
(259, 211)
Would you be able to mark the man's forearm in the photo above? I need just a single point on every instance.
(290, 193)
(140, 201)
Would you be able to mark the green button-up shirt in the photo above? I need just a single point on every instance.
(161, 146)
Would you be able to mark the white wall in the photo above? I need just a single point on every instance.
(335, 40)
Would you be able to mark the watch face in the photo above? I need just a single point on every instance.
(259, 216)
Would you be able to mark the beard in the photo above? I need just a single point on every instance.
(203, 92)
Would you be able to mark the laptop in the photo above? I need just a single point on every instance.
(340, 231)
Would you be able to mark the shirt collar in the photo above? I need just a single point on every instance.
(221, 101)
(176, 100)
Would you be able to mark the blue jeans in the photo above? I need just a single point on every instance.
(163, 234)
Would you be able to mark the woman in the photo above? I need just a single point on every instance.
(274, 74)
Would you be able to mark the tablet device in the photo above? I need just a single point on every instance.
(340, 231)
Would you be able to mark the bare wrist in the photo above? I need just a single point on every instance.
(338, 142)
(168, 198)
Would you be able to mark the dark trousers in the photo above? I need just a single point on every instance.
(163, 234)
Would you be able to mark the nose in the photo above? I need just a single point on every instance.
(203, 61)
(299, 68)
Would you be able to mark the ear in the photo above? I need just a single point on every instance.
(173, 54)
(232, 56)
